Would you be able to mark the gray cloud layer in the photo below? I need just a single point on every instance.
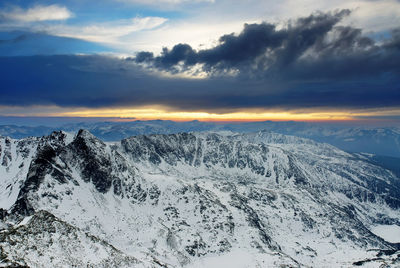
(313, 62)
(313, 47)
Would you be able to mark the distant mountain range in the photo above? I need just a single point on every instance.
(378, 141)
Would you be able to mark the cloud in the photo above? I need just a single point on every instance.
(189, 22)
(19, 43)
(228, 16)
(257, 42)
(163, 2)
(36, 13)
(309, 48)
(105, 32)
(374, 15)
(183, 30)
(312, 62)
(99, 81)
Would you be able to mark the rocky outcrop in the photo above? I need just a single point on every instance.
(43, 240)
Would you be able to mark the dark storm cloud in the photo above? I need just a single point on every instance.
(311, 62)
(314, 47)
(99, 81)
(256, 42)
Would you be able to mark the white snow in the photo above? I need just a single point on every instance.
(14, 171)
(25, 221)
(390, 233)
(239, 258)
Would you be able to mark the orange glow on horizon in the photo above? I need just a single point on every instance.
(154, 113)
(165, 113)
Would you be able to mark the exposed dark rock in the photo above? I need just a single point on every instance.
(241, 203)
(94, 162)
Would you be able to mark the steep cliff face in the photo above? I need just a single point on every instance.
(186, 199)
(15, 158)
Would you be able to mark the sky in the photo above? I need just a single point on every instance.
(211, 60)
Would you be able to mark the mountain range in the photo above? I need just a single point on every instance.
(381, 141)
(201, 199)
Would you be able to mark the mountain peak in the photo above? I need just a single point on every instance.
(83, 133)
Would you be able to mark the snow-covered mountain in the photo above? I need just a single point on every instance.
(193, 200)
(383, 141)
